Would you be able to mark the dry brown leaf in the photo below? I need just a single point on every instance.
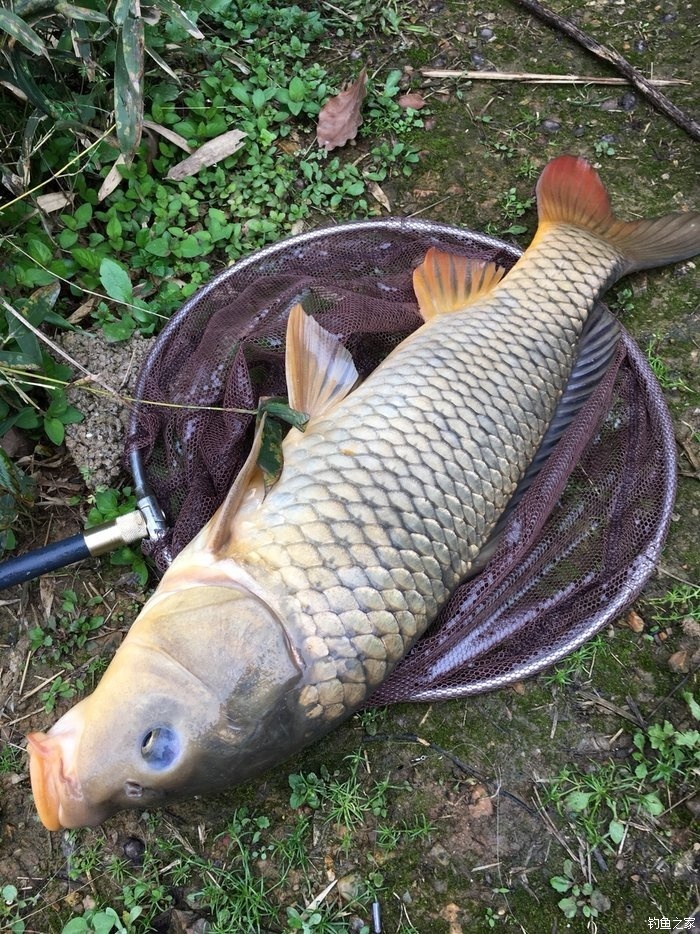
(414, 100)
(340, 117)
(53, 201)
(112, 179)
(168, 134)
(213, 151)
(379, 195)
(82, 311)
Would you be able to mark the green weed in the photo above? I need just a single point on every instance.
(681, 602)
(345, 799)
(581, 898)
(12, 904)
(579, 662)
(602, 801)
(17, 491)
(660, 369)
(64, 634)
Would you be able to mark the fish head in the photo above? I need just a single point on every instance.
(198, 698)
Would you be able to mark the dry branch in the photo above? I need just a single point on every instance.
(526, 77)
(643, 85)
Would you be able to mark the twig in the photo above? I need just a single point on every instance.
(643, 85)
(527, 77)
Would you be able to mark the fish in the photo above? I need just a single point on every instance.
(295, 601)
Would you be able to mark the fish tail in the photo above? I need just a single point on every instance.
(569, 191)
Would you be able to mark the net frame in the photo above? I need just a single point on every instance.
(481, 642)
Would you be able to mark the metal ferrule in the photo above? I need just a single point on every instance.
(120, 531)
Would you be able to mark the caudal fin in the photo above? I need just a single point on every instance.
(569, 191)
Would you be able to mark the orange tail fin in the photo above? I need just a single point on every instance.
(569, 191)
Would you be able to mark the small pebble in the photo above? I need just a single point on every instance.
(609, 138)
(578, 131)
(134, 848)
(668, 17)
(628, 101)
(640, 45)
(609, 104)
(550, 126)
(486, 33)
(477, 59)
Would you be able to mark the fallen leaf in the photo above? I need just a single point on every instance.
(113, 178)
(168, 134)
(340, 117)
(413, 99)
(379, 195)
(53, 201)
(83, 310)
(213, 151)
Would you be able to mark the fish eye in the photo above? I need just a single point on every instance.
(160, 747)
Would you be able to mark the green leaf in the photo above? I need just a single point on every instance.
(15, 26)
(54, 430)
(121, 330)
(270, 456)
(81, 13)
(83, 214)
(652, 804)
(279, 408)
(616, 831)
(560, 884)
(297, 89)
(692, 703)
(114, 228)
(577, 801)
(39, 251)
(159, 246)
(115, 281)
(177, 14)
(76, 926)
(128, 84)
(121, 11)
(569, 907)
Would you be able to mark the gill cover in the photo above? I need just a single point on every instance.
(175, 714)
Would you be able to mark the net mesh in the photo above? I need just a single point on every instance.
(577, 549)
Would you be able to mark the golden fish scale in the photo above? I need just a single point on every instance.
(384, 504)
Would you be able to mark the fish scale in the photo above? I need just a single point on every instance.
(431, 461)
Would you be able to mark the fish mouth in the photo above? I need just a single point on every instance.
(58, 796)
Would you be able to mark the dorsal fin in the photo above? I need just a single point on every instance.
(320, 370)
(446, 282)
(220, 528)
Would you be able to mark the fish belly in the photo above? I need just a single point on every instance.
(383, 504)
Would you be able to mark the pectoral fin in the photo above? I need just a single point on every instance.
(249, 482)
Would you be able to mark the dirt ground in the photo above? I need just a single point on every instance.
(479, 768)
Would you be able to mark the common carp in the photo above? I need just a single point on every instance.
(293, 604)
